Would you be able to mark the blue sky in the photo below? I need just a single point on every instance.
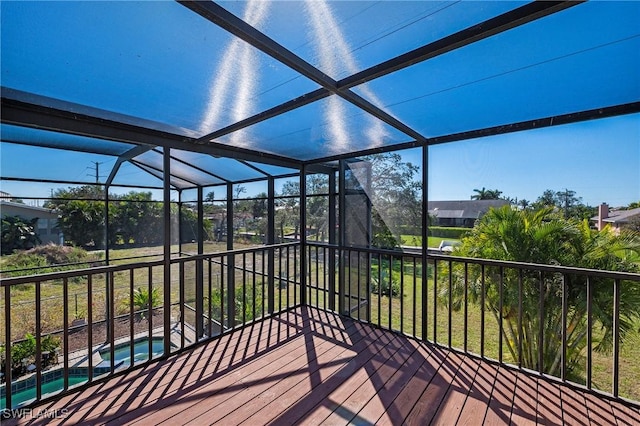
(598, 159)
(130, 58)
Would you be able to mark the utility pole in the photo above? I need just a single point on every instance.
(97, 170)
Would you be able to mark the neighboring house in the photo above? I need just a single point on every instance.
(47, 227)
(462, 213)
(617, 219)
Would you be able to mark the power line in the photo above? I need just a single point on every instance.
(97, 170)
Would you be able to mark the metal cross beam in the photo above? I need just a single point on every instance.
(236, 26)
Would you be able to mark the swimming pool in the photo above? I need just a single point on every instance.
(122, 352)
(29, 394)
(52, 381)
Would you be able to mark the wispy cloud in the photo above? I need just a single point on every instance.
(335, 55)
(234, 82)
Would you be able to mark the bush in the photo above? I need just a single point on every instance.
(384, 286)
(142, 299)
(46, 258)
(18, 234)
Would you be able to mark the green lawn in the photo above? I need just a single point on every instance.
(416, 241)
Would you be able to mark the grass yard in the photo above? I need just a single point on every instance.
(416, 241)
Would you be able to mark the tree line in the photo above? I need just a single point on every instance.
(134, 218)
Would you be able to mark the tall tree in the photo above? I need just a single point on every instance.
(80, 214)
(288, 209)
(486, 194)
(395, 198)
(543, 237)
(565, 201)
(524, 204)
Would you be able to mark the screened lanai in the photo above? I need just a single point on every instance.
(196, 101)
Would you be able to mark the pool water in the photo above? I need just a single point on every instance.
(122, 357)
(122, 353)
(49, 387)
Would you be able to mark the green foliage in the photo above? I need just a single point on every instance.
(395, 197)
(47, 257)
(545, 237)
(26, 349)
(49, 343)
(80, 214)
(249, 304)
(142, 299)
(486, 194)
(448, 232)
(134, 218)
(18, 234)
(23, 350)
(567, 202)
(380, 280)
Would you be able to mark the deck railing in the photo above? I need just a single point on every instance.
(554, 321)
(125, 322)
(549, 320)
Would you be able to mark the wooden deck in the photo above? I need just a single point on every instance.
(311, 367)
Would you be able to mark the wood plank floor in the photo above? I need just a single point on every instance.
(311, 367)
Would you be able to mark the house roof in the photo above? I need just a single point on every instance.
(463, 209)
(619, 216)
(4, 205)
(250, 90)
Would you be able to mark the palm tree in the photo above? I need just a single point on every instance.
(544, 237)
(486, 194)
(481, 194)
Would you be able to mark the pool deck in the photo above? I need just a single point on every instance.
(311, 367)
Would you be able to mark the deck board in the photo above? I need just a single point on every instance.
(311, 367)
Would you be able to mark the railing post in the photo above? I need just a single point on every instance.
(271, 238)
(108, 296)
(616, 336)
(200, 268)
(167, 249)
(7, 346)
(332, 242)
(231, 262)
(425, 236)
(589, 331)
(563, 354)
(342, 309)
(303, 235)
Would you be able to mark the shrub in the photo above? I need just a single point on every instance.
(23, 350)
(46, 258)
(142, 299)
(18, 234)
(394, 291)
(448, 232)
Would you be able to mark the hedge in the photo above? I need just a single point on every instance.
(448, 232)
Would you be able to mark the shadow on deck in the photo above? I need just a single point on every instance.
(307, 366)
